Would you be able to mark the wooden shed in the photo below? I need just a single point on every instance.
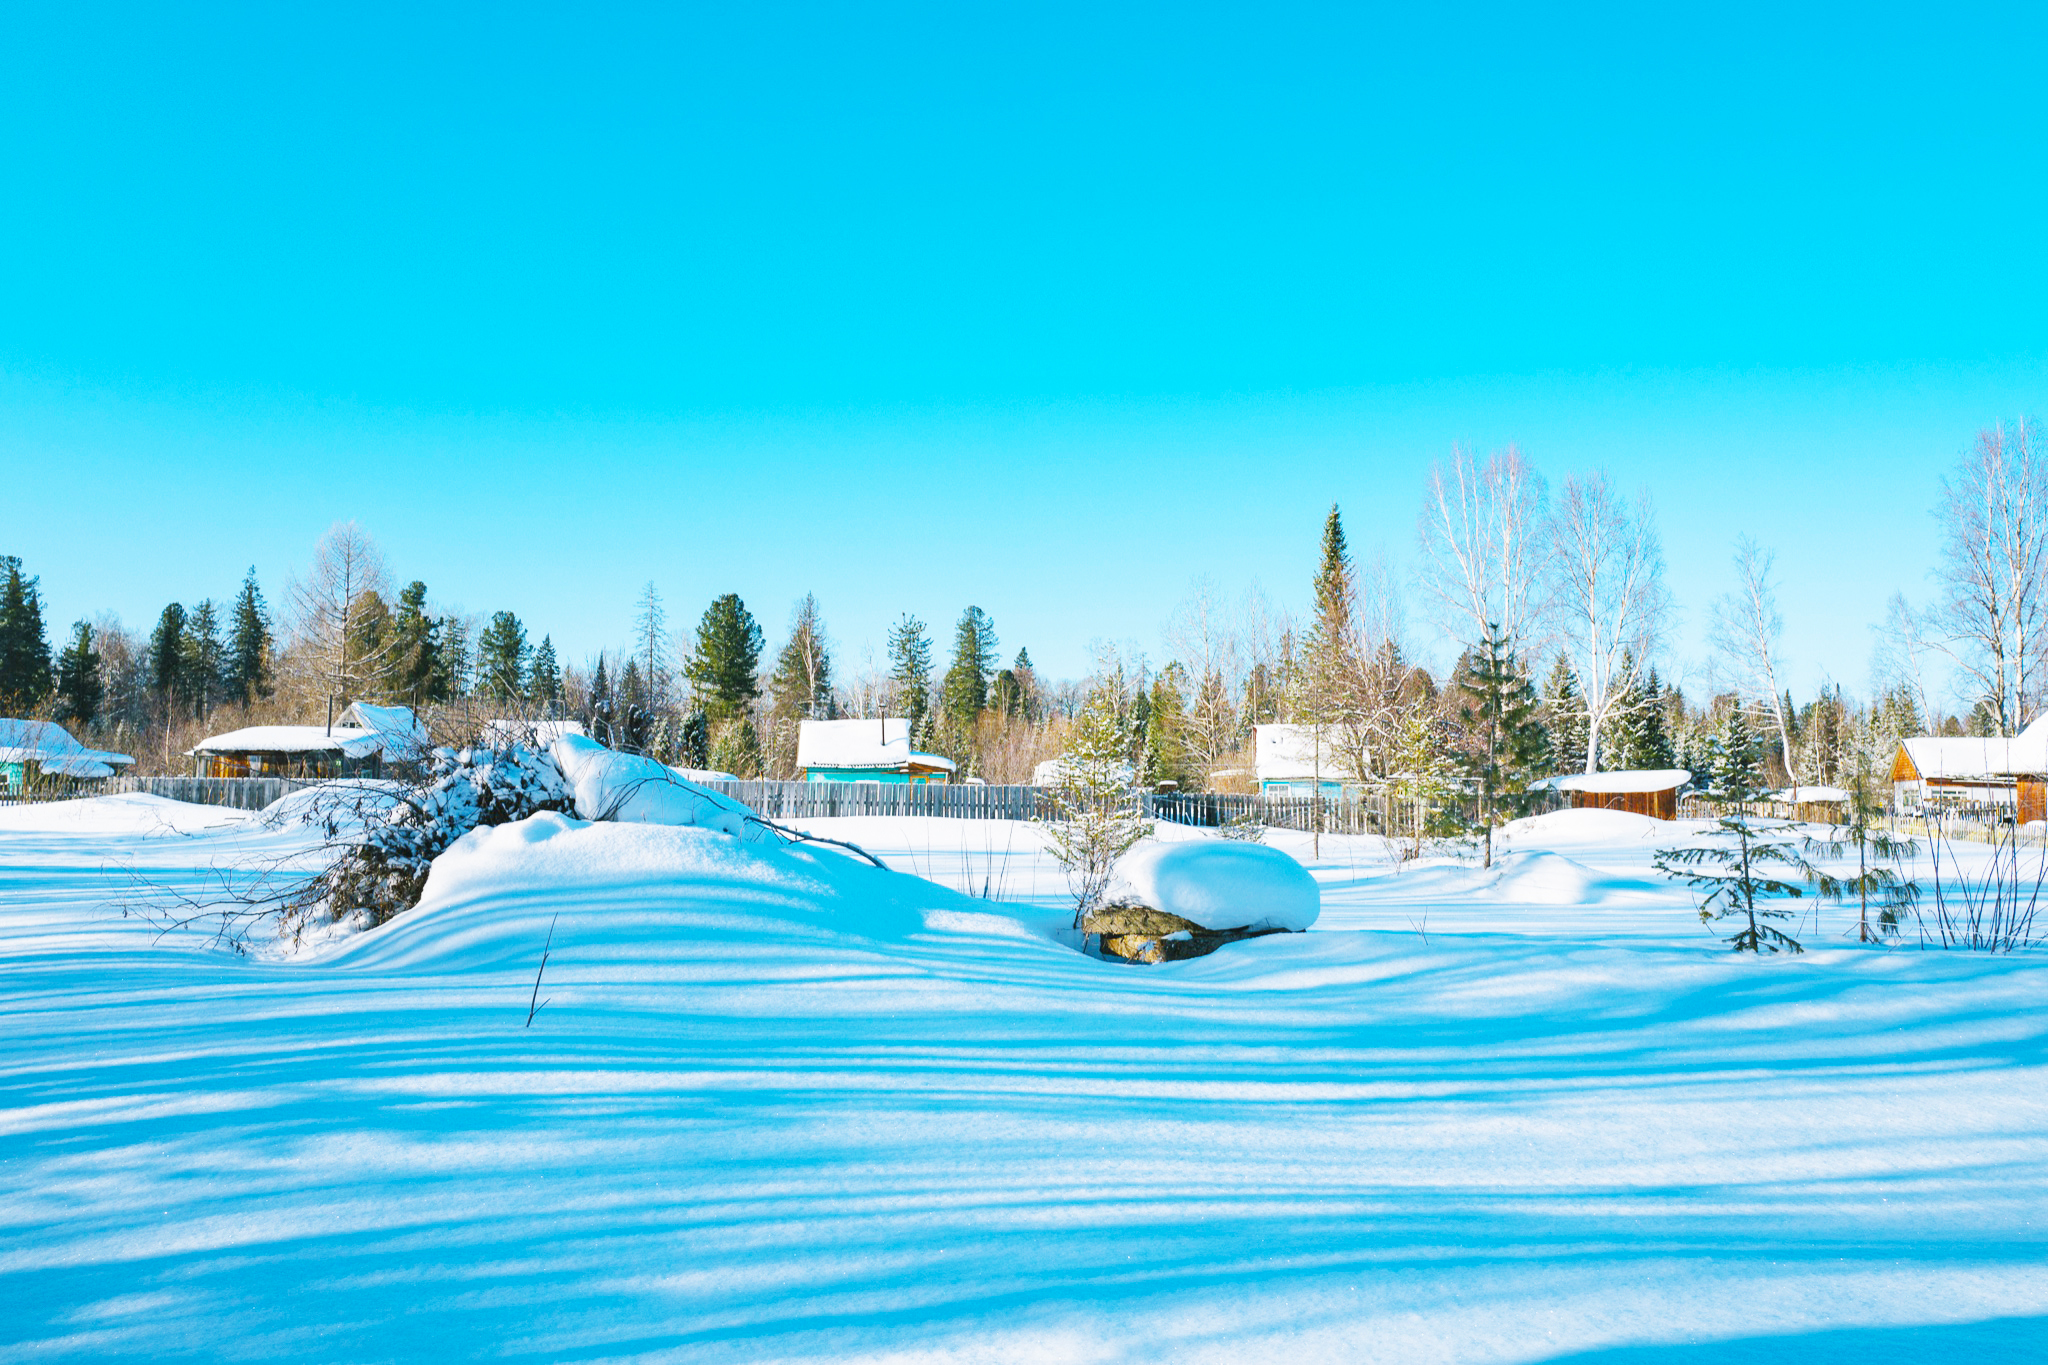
(1652, 792)
(875, 750)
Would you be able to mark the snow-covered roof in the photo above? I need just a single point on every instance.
(879, 743)
(1802, 795)
(1615, 784)
(293, 739)
(404, 737)
(53, 747)
(1282, 752)
(1967, 756)
(537, 733)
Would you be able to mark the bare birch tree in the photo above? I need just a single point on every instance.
(327, 604)
(1746, 629)
(1481, 557)
(1992, 618)
(1610, 600)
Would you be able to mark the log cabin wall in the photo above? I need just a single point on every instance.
(1661, 805)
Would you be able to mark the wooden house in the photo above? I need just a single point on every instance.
(366, 742)
(875, 750)
(1652, 792)
(36, 753)
(1949, 771)
(1298, 760)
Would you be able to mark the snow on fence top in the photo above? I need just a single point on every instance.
(1642, 780)
(874, 743)
(50, 745)
(1800, 796)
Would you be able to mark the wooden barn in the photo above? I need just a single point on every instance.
(1652, 792)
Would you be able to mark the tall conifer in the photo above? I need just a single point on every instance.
(24, 647)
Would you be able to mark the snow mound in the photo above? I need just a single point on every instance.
(637, 893)
(1223, 884)
(1586, 826)
(125, 813)
(633, 790)
(1544, 878)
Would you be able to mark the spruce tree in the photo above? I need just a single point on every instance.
(544, 679)
(167, 658)
(416, 670)
(205, 657)
(597, 719)
(501, 658)
(1166, 728)
(910, 677)
(247, 673)
(1740, 873)
(80, 688)
(723, 666)
(452, 661)
(1027, 684)
(24, 647)
(1500, 712)
(696, 740)
(801, 686)
(963, 694)
(1564, 715)
(1656, 751)
(633, 720)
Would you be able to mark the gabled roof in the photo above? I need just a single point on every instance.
(1284, 752)
(1617, 783)
(1967, 757)
(883, 745)
(347, 740)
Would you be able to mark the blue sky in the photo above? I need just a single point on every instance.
(1043, 309)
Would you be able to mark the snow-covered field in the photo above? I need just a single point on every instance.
(781, 1105)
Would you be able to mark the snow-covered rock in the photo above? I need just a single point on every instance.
(631, 789)
(1222, 884)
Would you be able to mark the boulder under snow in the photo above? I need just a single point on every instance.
(1223, 884)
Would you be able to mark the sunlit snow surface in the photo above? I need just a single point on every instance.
(781, 1105)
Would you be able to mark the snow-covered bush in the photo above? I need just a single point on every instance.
(463, 789)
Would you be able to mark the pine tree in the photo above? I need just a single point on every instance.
(371, 646)
(247, 673)
(728, 655)
(167, 658)
(910, 677)
(1511, 746)
(1738, 873)
(80, 688)
(963, 693)
(205, 658)
(501, 658)
(544, 679)
(24, 647)
(1564, 716)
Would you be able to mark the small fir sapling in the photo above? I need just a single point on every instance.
(1096, 812)
(1509, 742)
(1875, 885)
(1737, 873)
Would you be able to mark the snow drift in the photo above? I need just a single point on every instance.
(1223, 884)
(634, 790)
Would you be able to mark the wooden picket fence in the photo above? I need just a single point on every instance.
(825, 800)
